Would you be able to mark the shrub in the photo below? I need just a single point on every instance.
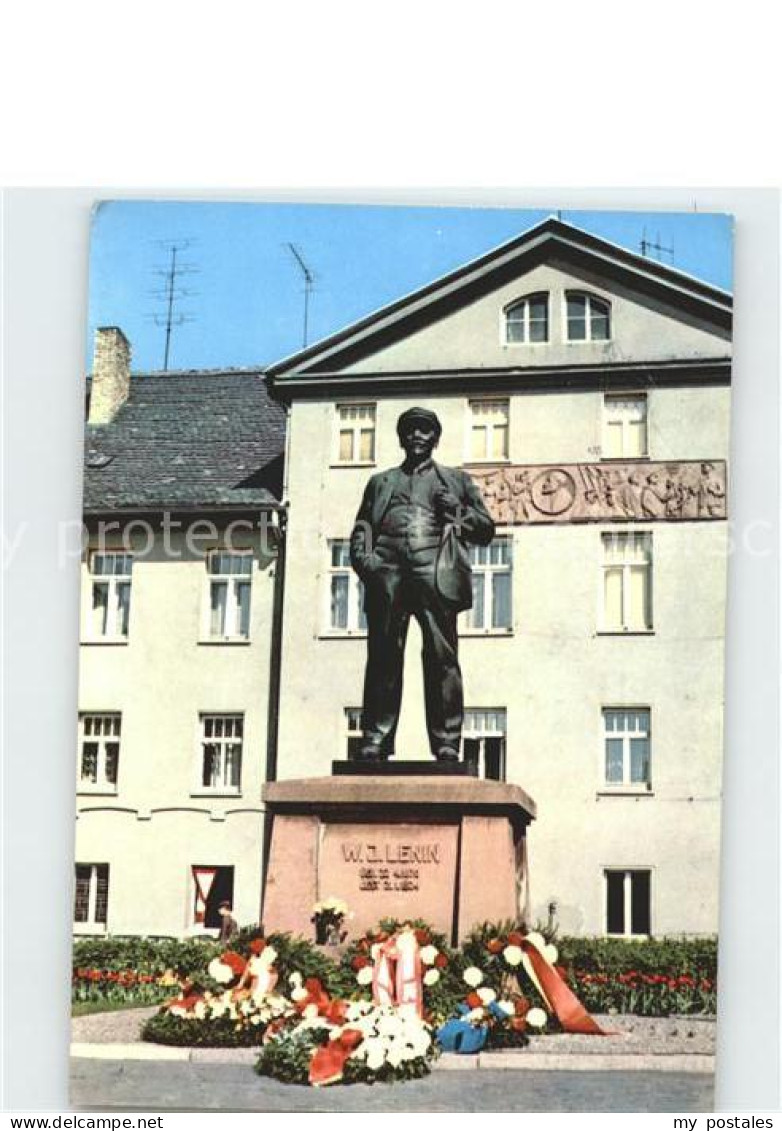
(166, 1029)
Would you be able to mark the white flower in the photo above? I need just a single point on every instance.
(375, 1054)
(474, 1015)
(431, 977)
(536, 1018)
(220, 971)
(536, 940)
(375, 950)
(267, 956)
(428, 955)
(364, 976)
(299, 994)
(512, 955)
(486, 995)
(295, 978)
(310, 1011)
(473, 976)
(506, 1007)
(199, 1010)
(394, 1056)
(551, 954)
(357, 1010)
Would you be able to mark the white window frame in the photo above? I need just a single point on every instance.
(626, 785)
(352, 728)
(354, 626)
(91, 925)
(589, 296)
(233, 621)
(355, 428)
(524, 302)
(102, 785)
(221, 788)
(112, 582)
(624, 421)
(480, 734)
(625, 628)
(488, 570)
(470, 456)
(627, 897)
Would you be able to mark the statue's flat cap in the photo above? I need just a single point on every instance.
(417, 413)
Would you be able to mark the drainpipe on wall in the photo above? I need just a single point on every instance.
(275, 668)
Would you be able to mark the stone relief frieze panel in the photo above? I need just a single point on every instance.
(679, 491)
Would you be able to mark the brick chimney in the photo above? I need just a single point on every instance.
(110, 374)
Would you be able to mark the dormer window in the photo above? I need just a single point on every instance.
(527, 320)
(588, 318)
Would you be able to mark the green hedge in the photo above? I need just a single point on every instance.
(650, 977)
(653, 977)
(670, 956)
(145, 956)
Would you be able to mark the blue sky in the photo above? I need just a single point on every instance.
(248, 309)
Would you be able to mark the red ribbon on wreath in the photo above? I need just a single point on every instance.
(328, 1062)
(560, 999)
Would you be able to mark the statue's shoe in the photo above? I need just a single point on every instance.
(447, 754)
(371, 753)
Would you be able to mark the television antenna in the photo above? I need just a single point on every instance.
(653, 249)
(309, 283)
(171, 292)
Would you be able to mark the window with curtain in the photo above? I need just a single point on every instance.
(588, 317)
(99, 740)
(222, 738)
(625, 433)
(345, 591)
(356, 433)
(110, 608)
(626, 739)
(483, 740)
(488, 430)
(628, 906)
(527, 320)
(492, 587)
(230, 587)
(627, 582)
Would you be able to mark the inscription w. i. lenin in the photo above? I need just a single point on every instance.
(389, 867)
(360, 852)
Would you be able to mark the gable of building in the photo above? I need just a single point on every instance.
(657, 315)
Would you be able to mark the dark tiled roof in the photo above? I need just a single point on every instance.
(187, 439)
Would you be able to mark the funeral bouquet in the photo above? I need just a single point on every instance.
(399, 962)
(327, 1040)
(328, 917)
(516, 972)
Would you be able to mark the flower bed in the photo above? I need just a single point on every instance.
(647, 995)
(649, 977)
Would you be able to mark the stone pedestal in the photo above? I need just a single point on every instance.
(447, 849)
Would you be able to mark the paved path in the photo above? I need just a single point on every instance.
(668, 1036)
(105, 1085)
